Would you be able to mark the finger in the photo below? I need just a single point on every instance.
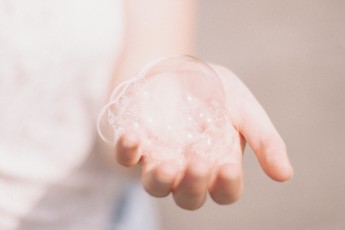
(227, 185)
(255, 125)
(158, 179)
(191, 191)
(127, 151)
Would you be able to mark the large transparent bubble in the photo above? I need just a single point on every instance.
(177, 107)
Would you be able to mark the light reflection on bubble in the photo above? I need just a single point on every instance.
(177, 106)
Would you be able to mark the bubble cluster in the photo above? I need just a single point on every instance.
(177, 107)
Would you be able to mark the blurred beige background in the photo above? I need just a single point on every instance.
(291, 54)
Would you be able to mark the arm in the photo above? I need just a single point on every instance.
(190, 185)
(155, 29)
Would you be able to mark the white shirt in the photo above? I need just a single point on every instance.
(56, 63)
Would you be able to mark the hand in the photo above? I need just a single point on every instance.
(191, 183)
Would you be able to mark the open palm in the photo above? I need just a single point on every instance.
(189, 184)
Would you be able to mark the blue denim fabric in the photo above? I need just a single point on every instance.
(136, 210)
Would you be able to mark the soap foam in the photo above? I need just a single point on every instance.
(177, 107)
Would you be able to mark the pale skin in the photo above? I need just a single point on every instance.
(170, 34)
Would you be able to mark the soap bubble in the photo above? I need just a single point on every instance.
(177, 107)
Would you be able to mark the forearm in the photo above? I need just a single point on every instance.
(155, 29)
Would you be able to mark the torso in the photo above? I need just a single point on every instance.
(56, 61)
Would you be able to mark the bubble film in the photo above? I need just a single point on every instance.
(177, 107)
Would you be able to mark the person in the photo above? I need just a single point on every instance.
(57, 59)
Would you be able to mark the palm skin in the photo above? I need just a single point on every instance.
(189, 184)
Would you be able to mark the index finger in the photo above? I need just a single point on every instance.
(254, 124)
